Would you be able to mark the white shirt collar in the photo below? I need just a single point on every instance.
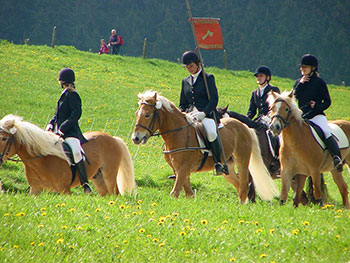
(261, 90)
(195, 76)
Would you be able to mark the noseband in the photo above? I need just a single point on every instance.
(153, 121)
(7, 148)
(286, 120)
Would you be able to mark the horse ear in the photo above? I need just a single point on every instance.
(225, 109)
(9, 126)
(291, 94)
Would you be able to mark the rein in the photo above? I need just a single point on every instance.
(286, 120)
(152, 133)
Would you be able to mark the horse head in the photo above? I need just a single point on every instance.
(281, 107)
(147, 117)
(7, 139)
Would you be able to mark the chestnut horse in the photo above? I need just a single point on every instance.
(240, 144)
(47, 167)
(300, 154)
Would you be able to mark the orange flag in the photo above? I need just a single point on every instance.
(208, 33)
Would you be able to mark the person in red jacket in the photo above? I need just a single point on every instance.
(103, 47)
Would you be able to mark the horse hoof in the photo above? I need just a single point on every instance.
(282, 202)
(173, 176)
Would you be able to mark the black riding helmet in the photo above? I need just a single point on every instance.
(67, 75)
(309, 60)
(262, 70)
(188, 57)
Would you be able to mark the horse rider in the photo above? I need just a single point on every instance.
(313, 99)
(194, 100)
(65, 123)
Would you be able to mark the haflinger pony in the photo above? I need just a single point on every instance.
(182, 153)
(300, 154)
(47, 167)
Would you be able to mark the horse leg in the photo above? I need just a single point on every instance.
(99, 183)
(251, 191)
(286, 182)
(243, 174)
(303, 196)
(35, 191)
(316, 179)
(232, 177)
(299, 181)
(342, 186)
(180, 179)
(187, 187)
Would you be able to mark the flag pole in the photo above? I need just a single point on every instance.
(204, 77)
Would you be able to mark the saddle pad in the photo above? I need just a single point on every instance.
(338, 134)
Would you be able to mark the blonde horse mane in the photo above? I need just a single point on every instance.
(37, 141)
(161, 101)
(296, 112)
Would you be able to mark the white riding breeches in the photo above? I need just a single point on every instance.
(321, 121)
(210, 129)
(75, 145)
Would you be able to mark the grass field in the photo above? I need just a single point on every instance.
(150, 226)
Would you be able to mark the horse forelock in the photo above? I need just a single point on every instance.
(149, 95)
(36, 141)
(296, 112)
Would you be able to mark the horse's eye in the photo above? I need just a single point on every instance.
(148, 115)
(4, 138)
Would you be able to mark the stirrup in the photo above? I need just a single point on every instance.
(338, 164)
(220, 169)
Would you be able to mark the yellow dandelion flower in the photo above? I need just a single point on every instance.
(259, 230)
(44, 214)
(87, 215)
(20, 214)
(160, 223)
(7, 214)
(154, 204)
(72, 247)
(40, 226)
(168, 216)
(232, 259)
(272, 230)
(222, 227)
(263, 255)
(59, 234)
(15, 246)
(43, 209)
(149, 235)
(63, 205)
(139, 201)
(182, 233)
(152, 213)
(295, 231)
(241, 221)
(187, 252)
(79, 228)
(111, 202)
(214, 250)
(186, 220)
(60, 241)
(138, 207)
(32, 243)
(187, 227)
(64, 227)
(215, 229)
(224, 222)
(134, 213)
(192, 229)
(116, 246)
(2, 249)
(125, 241)
(58, 205)
(142, 230)
(204, 221)
(107, 217)
(161, 245)
(176, 213)
(98, 209)
(306, 223)
(155, 240)
(127, 215)
(41, 244)
(266, 245)
(337, 236)
(339, 211)
(72, 209)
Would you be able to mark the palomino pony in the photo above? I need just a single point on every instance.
(47, 167)
(300, 154)
(240, 144)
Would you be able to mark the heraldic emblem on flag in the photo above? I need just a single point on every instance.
(208, 32)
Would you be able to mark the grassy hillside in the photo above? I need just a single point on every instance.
(151, 226)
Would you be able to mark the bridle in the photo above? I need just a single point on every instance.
(153, 121)
(285, 121)
(7, 149)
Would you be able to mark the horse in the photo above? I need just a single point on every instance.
(47, 167)
(182, 153)
(300, 154)
(270, 160)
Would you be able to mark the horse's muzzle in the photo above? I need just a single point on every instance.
(276, 128)
(138, 138)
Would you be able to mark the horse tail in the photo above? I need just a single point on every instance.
(264, 184)
(125, 178)
(310, 190)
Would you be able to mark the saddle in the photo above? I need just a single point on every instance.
(336, 132)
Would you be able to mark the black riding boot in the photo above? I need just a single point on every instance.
(333, 149)
(216, 150)
(83, 177)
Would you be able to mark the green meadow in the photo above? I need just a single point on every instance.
(149, 226)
